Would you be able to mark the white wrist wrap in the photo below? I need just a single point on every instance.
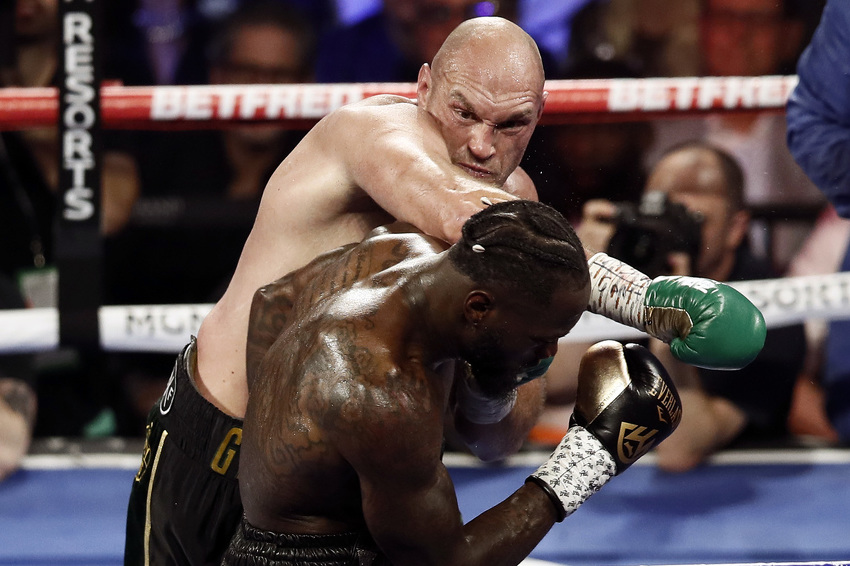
(577, 468)
(478, 408)
(617, 291)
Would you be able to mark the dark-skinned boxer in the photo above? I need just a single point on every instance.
(357, 362)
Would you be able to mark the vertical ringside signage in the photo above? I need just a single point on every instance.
(78, 241)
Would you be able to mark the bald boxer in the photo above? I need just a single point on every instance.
(432, 162)
(352, 371)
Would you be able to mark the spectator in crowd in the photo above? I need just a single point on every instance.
(71, 388)
(819, 108)
(818, 117)
(720, 407)
(747, 38)
(157, 41)
(220, 172)
(166, 41)
(576, 162)
(657, 38)
(817, 256)
(216, 175)
(751, 38)
(17, 394)
(390, 45)
(122, 41)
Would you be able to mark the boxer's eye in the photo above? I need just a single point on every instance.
(513, 125)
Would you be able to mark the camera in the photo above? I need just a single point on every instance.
(650, 230)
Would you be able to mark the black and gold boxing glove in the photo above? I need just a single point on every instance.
(626, 403)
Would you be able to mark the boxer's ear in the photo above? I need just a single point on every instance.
(477, 306)
(542, 104)
(423, 85)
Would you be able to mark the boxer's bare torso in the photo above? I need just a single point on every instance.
(289, 439)
(353, 171)
(351, 367)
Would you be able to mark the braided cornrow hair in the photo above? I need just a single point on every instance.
(527, 246)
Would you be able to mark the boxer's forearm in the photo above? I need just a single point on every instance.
(707, 324)
(17, 418)
(492, 442)
(14, 441)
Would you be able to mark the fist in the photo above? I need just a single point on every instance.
(626, 403)
(626, 399)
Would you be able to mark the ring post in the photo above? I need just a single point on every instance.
(78, 242)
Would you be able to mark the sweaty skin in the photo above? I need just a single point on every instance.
(428, 162)
(348, 405)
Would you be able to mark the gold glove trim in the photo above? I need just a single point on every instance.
(606, 362)
(666, 323)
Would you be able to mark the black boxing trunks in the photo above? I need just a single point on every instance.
(251, 546)
(184, 504)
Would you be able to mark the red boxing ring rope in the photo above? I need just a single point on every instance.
(300, 105)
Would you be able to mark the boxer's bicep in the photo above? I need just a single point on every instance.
(400, 160)
(412, 513)
(408, 500)
(520, 185)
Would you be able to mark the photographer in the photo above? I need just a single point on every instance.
(719, 408)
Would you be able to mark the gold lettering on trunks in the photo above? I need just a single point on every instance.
(227, 450)
(146, 453)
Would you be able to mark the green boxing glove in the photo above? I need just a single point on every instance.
(707, 324)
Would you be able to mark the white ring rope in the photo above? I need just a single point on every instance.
(167, 328)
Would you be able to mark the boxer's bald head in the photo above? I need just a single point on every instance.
(485, 90)
(496, 48)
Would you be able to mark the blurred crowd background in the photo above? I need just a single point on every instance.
(177, 205)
